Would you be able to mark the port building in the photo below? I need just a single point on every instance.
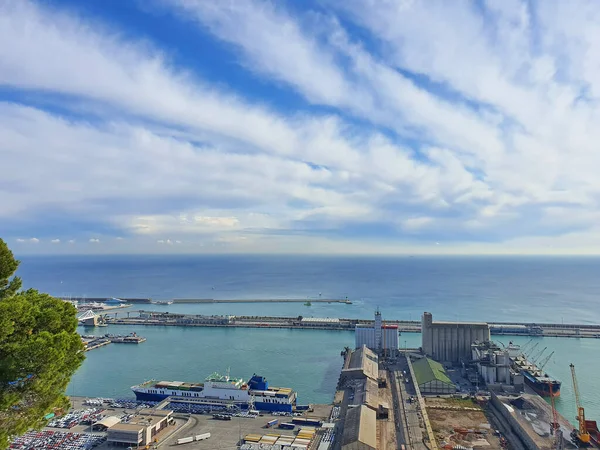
(360, 429)
(380, 338)
(142, 429)
(494, 366)
(364, 363)
(451, 341)
(432, 378)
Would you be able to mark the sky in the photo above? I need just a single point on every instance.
(248, 126)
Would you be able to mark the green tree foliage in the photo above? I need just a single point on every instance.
(39, 352)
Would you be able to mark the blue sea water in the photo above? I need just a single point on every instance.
(565, 289)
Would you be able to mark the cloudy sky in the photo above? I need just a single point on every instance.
(382, 126)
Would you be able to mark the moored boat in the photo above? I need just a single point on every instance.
(223, 390)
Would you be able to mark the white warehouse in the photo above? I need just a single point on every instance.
(380, 338)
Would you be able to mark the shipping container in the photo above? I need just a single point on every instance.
(271, 423)
(287, 426)
(185, 440)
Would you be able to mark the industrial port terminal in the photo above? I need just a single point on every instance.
(459, 390)
(162, 318)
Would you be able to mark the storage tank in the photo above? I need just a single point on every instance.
(502, 359)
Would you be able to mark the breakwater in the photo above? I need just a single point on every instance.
(158, 318)
(263, 300)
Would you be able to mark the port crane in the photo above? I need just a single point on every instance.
(582, 434)
(545, 361)
(530, 351)
(538, 355)
(524, 346)
(555, 425)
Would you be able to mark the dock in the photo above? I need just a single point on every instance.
(161, 318)
(263, 300)
(92, 342)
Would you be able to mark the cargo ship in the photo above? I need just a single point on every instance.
(222, 390)
(536, 378)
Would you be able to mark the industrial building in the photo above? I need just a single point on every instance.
(451, 341)
(380, 338)
(360, 429)
(363, 364)
(366, 393)
(494, 365)
(142, 429)
(106, 423)
(432, 378)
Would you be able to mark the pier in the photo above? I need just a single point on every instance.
(159, 318)
(92, 342)
(263, 300)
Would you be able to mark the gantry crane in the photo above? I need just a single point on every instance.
(582, 434)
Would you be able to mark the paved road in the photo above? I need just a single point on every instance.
(398, 400)
(412, 433)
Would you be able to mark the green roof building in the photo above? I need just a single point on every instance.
(432, 378)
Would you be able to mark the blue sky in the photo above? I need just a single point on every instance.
(363, 126)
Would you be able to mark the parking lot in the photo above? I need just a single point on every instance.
(74, 430)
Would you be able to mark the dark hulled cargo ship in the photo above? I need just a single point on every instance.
(534, 377)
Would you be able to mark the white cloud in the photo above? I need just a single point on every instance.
(55, 241)
(34, 240)
(463, 125)
(71, 241)
(94, 240)
(20, 240)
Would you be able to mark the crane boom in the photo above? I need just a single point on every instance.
(545, 361)
(583, 435)
(538, 355)
(555, 425)
(527, 344)
(531, 349)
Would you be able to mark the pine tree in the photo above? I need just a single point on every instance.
(40, 350)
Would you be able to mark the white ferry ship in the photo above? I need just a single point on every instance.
(219, 389)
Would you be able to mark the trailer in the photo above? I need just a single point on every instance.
(287, 426)
(271, 423)
(185, 440)
(202, 437)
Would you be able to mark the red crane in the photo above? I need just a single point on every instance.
(555, 425)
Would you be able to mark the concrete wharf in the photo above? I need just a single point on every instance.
(85, 300)
(159, 318)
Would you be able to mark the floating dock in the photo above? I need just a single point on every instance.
(92, 342)
(161, 318)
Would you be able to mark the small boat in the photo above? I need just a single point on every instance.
(308, 303)
(165, 302)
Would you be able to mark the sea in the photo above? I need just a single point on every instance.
(474, 288)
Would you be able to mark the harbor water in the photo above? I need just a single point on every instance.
(467, 288)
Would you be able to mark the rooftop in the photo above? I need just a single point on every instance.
(365, 360)
(360, 425)
(459, 324)
(427, 370)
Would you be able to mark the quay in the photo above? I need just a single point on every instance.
(98, 300)
(159, 318)
(263, 300)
